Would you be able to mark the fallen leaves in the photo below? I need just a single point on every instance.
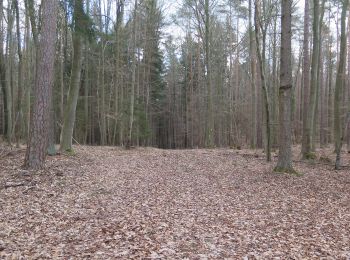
(107, 203)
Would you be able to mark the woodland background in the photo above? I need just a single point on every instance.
(208, 83)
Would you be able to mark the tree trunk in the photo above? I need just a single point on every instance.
(8, 76)
(133, 80)
(348, 131)
(252, 75)
(37, 143)
(339, 87)
(210, 124)
(261, 59)
(74, 85)
(308, 130)
(318, 72)
(29, 4)
(3, 71)
(18, 122)
(284, 163)
(306, 78)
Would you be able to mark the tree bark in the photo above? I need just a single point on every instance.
(133, 79)
(308, 130)
(252, 75)
(210, 123)
(18, 122)
(348, 86)
(37, 143)
(306, 78)
(74, 85)
(284, 163)
(8, 75)
(340, 79)
(262, 61)
(3, 70)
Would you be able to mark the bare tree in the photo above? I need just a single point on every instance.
(306, 75)
(340, 80)
(261, 52)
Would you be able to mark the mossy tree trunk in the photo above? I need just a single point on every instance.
(74, 85)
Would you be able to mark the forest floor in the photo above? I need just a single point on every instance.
(108, 203)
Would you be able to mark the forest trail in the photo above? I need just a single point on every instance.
(108, 203)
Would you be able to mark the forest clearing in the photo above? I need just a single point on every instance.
(183, 129)
(109, 203)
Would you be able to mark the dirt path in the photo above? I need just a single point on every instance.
(106, 203)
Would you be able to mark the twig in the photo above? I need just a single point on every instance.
(14, 184)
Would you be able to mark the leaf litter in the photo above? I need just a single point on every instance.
(108, 203)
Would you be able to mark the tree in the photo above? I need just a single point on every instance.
(218, 87)
(8, 74)
(309, 128)
(348, 86)
(74, 85)
(306, 76)
(37, 143)
(207, 35)
(3, 73)
(340, 80)
(18, 121)
(284, 163)
(260, 49)
(133, 78)
(252, 75)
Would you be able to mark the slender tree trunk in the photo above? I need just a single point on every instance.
(322, 103)
(284, 163)
(27, 73)
(133, 80)
(210, 126)
(339, 87)
(330, 86)
(30, 9)
(348, 86)
(8, 75)
(274, 87)
(318, 72)
(261, 59)
(3, 70)
(252, 74)
(307, 150)
(37, 143)
(18, 122)
(87, 85)
(306, 80)
(74, 85)
(118, 68)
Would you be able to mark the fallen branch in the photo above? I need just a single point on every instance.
(14, 184)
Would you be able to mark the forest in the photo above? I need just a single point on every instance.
(185, 129)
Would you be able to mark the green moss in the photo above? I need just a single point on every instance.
(69, 152)
(310, 156)
(291, 171)
(51, 150)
